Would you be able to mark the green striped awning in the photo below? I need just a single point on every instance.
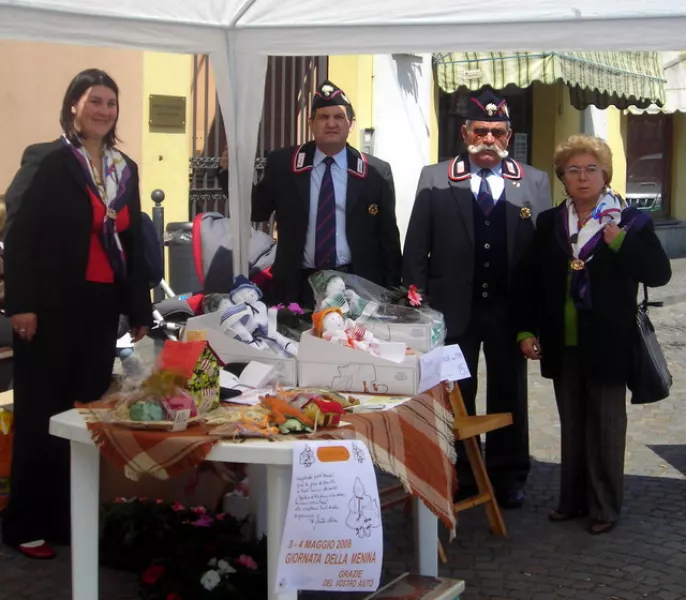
(620, 79)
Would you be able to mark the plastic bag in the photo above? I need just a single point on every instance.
(382, 311)
(6, 441)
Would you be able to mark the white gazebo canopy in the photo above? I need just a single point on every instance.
(239, 35)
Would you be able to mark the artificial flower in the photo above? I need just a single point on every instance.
(178, 507)
(120, 500)
(199, 510)
(414, 296)
(152, 574)
(247, 561)
(210, 580)
(294, 307)
(203, 521)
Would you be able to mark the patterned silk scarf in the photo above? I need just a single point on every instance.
(110, 190)
(585, 239)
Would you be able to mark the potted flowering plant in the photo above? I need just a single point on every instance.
(180, 551)
(232, 577)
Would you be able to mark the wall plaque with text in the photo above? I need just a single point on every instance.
(167, 113)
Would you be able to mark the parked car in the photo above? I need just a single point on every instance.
(644, 182)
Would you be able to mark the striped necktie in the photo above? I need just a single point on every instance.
(325, 238)
(485, 197)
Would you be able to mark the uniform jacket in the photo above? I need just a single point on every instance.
(371, 227)
(439, 252)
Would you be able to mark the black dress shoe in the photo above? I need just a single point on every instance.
(510, 498)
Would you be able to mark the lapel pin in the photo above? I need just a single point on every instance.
(525, 213)
(373, 209)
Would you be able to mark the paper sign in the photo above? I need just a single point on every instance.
(445, 363)
(430, 369)
(181, 420)
(333, 538)
(454, 367)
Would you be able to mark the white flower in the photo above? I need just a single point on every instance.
(212, 563)
(225, 568)
(210, 580)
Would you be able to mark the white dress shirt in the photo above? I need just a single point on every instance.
(495, 180)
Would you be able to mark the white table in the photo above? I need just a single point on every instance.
(277, 459)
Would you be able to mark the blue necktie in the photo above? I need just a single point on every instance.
(325, 237)
(485, 197)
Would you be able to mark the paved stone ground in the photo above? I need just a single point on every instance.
(644, 557)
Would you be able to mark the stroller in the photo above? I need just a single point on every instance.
(213, 259)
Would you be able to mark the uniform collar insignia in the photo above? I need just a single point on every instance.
(303, 158)
(512, 169)
(458, 169)
(357, 163)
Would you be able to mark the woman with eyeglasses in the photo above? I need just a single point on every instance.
(576, 308)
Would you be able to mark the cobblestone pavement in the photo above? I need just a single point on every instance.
(644, 557)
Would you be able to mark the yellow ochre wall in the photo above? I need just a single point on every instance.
(354, 74)
(678, 209)
(164, 162)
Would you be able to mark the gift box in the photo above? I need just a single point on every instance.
(198, 363)
(324, 364)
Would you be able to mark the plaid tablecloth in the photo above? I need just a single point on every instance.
(414, 442)
(137, 452)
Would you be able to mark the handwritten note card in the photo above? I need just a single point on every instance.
(445, 363)
(333, 538)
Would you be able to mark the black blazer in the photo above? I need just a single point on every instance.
(606, 331)
(439, 246)
(371, 227)
(48, 236)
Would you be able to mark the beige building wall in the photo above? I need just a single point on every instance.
(34, 78)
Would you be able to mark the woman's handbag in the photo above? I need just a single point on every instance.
(650, 378)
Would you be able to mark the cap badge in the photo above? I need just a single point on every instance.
(327, 90)
(491, 109)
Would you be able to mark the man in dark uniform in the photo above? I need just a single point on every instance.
(472, 221)
(335, 207)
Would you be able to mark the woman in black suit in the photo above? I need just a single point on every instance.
(577, 314)
(73, 263)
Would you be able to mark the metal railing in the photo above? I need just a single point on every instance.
(289, 86)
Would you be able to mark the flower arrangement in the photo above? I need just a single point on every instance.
(405, 296)
(182, 553)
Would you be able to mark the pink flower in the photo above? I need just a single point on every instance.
(414, 296)
(203, 521)
(294, 307)
(178, 507)
(159, 501)
(152, 574)
(247, 561)
(199, 510)
(219, 516)
(279, 306)
(120, 500)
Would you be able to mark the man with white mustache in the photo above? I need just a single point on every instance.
(472, 222)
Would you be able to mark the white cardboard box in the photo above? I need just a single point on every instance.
(230, 350)
(327, 364)
(415, 335)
